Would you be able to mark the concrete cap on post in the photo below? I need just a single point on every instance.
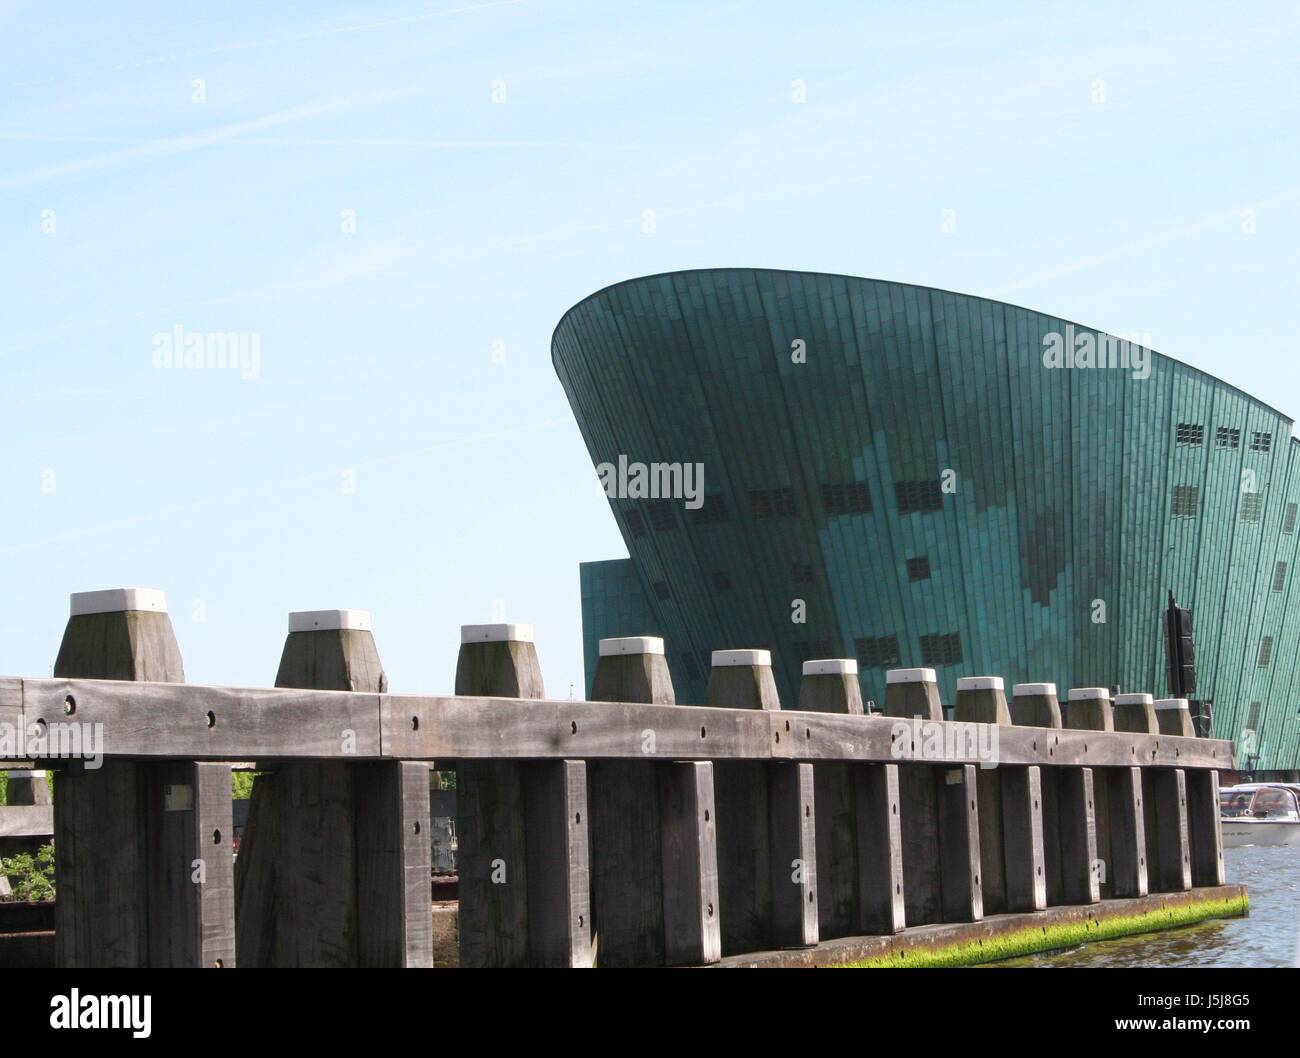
(742, 679)
(912, 693)
(830, 685)
(1089, 709)
(329, 620)
(498, 633)
(981, 700)
(118, 600)
(1174, 717)
(120, 634)
(1035, 705)
(631, 645)
(498, 661)
(633, 669)
(1134, 712)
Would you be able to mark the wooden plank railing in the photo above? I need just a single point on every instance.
(603, 832)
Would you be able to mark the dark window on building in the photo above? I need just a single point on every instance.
(941, 649)
(661, 590)
(1265, 651)
(1252, 506)
(661, 515)
(851, 497)
(635, 523)
(807, 649)
(1261, 442)
(712, 512)
(1190, 433)
(915, 497)
(918, 568)
(721, 582)
(1227, 437)
(1187, 499)
(1252, 720)
(1279, 576)
(772, 503)
(803, 573)
(877, 652)
(1288, 522)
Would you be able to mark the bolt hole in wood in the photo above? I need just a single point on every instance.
(776, 735)
(807, 811)
(807, 732)
(787, 725)
(577, 817)
(706, 815)
(811, 896)
(211, 718)
(702, 732)
(416, 825)
(573, 727)
(216, 837)
(710, 910)
(69, 705)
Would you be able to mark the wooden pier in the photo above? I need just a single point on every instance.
(631, 830)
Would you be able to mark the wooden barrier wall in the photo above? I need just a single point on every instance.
(626, 831)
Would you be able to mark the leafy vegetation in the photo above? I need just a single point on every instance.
(31, 877)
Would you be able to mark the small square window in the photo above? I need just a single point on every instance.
(1289, 520)
(1190, 433)
(1265, 651)
(877, 652)
(1187, 499)
(1227, 437)
(1261, 442)
(918, 568)
(661, 515)
(635, 523)
(1252, 506)
(941, 649)
(807, 649)
(661, 590)
(1279, 577)
(918, 497)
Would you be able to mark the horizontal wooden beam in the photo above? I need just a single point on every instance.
(27, 821)
(192, 722)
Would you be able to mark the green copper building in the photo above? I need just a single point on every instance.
(914, 477)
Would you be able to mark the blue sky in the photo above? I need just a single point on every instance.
(406, 447)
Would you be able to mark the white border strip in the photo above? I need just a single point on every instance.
(329, 620)
(910, 676)
(631, 645)
(1172, 703)
(980, 683)
(1089, 694)
(831, 667)
(1133, 699)
(732, 658)
(1024, 690)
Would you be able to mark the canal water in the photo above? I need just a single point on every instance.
(1270, 936)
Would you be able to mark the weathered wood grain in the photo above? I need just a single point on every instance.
(291, 724)
(1080, 875)
(1127, 867)
(792, 830)
(1204, 832)
(919, 812)
(1022, 813)
(689, 849)
(1169, 788)
(26, 821)
(880, 849)
(961, 883)
(559, 883)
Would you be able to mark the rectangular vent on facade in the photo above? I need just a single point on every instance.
(918, 497)
(712, 512)
(772, 503)
(803, 573)
(1265, 651)
(878, 652)
(941, 649)
(1227, 437)
(851, 497)
(661, 590)
(1187, 499)
(1279, 576)
(807, 649)
(918, 568)
(661, 515)
(1252, 718)
(721, 582)
(635, 523)
(1252, 506)
(1288, 522)
(1190, 433)
(1261, 442)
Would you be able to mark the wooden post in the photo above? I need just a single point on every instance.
(1022, 810)
(1204, 831)
(1080, 874)
(1120, 807)
(1174, 717)
(143, 853)
(914, 694)
(831, 686)
(763, 828)
(654, 866)
(1173, 867)
(1128, 845)
(982, 700)
(334, 865)
(522, 828)
(1083, 804)
(1036, 705)
(959, 845)
(882, 907)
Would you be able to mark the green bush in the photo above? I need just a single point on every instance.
(31, 877)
